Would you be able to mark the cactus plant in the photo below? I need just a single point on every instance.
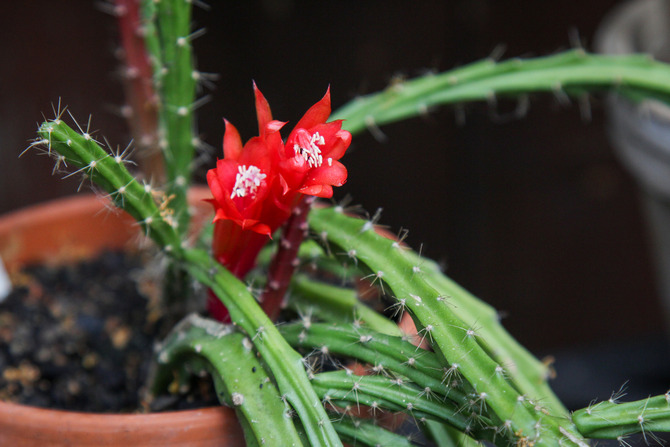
(336, 365)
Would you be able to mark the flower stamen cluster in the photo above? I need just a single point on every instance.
(308, 148)
(247, 181)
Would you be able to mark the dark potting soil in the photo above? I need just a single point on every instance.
(81, 337)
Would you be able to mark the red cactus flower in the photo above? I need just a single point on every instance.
(256, 186)
(310, 158)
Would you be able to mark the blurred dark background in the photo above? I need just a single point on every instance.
(534, 215)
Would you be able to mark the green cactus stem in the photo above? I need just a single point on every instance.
(386, 355)
(331, 303)
(439, 324)
(571, 73)
(242, 383)
(358, 432)
(240, 380)
(168, 37)
(380, 393)
(81, 153)
(527, 372)
(613, 420)
(285, 364)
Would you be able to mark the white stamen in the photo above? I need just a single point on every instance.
(309, 148)
(247, 181)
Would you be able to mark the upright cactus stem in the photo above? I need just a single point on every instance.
(168, 39)
(285, 261)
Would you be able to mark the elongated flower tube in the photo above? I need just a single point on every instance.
(257, 185)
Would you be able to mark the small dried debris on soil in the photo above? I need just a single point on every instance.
(80, 337)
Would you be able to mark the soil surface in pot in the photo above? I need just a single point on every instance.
(80, 337)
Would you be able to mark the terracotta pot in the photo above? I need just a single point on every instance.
(77, 228)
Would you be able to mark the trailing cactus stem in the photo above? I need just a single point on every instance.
(242, 383)
(359, 432)
(382, 393)
(386, 354)
(140, 110)
(528, 373)
(335, 304)
(460, 344)
(611, 420)
(240, 380)
(284, 364)
(79, 150)
(571, 73)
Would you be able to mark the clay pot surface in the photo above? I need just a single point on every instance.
(21, 425)
(72, 229)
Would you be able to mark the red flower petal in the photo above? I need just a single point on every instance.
(215, 186)
(225, 213)
(256, 227)
(339, 146)
(263, 112)
(317, 114)
(258, 153)
(274, 126)
(323, 191)
(335, 175)
(232, 143)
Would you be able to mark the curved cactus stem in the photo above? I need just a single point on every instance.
(240, 380)
(527, 372)
(444, 435)
(612, 420)
(573, 73)
(341, 305)
(333, 303)
(381, 393)
(77, 149)
(460, 344)
(359, 432)
(285, 365)
(386, 353)
(242, 383)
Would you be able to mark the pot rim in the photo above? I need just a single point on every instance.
(26, 425)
